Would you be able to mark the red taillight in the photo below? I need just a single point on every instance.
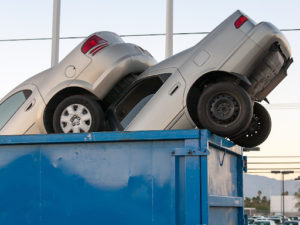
(240, 21)
(96, 50)
(92, 42)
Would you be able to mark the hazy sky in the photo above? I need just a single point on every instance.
(33, 19)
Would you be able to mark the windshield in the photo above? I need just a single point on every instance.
(262, 223)
(11, 105)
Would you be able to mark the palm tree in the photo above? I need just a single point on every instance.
(297, 196)
(259, 193)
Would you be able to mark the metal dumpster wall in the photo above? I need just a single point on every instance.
(120, 178)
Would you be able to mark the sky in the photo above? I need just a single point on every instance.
(20, 60)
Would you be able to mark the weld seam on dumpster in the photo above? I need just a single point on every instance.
(99, 137)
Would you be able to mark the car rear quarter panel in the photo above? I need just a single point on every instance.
(220, 44)
(111, 65)
(56, 80)
(244, 59)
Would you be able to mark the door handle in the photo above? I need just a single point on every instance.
(174, 88)
(30, 105)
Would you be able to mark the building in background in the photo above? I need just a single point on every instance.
(289, 205)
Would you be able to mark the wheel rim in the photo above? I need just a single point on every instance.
(75, 118)
(254, 127)
(224, 109)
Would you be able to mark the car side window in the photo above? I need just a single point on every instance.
(11, 105)
(136, 99)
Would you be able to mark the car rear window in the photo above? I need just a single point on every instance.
(136, 99)
(290, 223)
(9, 107)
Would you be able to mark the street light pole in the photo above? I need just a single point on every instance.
(282, 172)
(55, 32)
(283, 194)
(169, 29)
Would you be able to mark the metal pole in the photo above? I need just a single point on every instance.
(55, 32)
(169, 29)
(282, 196)
(283, 193)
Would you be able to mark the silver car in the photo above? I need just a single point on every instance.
(292, 222)
(264, 222)
(71, 97)
(216, 84)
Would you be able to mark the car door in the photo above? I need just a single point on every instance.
(165, 109)
(19, 111)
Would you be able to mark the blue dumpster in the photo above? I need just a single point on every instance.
(156, 177)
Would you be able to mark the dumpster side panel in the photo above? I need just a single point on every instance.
(20, 185)
(222, 180)
(111, 183)
(224, 215)
(225, 182)
(157, 177)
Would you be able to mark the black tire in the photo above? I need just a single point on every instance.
(91, 112)
(225, 109)
(258, 130)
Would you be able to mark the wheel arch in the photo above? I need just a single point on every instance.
(57, 98)
(204, 81)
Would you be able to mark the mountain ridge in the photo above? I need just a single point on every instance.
(254, 183)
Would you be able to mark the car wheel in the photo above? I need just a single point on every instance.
(258, 130)
(78, 114)
(225, 109)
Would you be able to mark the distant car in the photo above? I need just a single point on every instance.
(294, 218)
(283, 218)
(258, 217)
(251, 221)
(264, 222)
(292, 222)
(71, 97)
(215, 85)
(262, 219)
(277, 220)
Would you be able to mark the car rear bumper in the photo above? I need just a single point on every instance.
(265, 34)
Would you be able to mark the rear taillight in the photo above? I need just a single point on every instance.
(96, 50)
(92, 42)
(240, 21)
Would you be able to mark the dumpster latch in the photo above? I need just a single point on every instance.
(188, 151)
(245, 167)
